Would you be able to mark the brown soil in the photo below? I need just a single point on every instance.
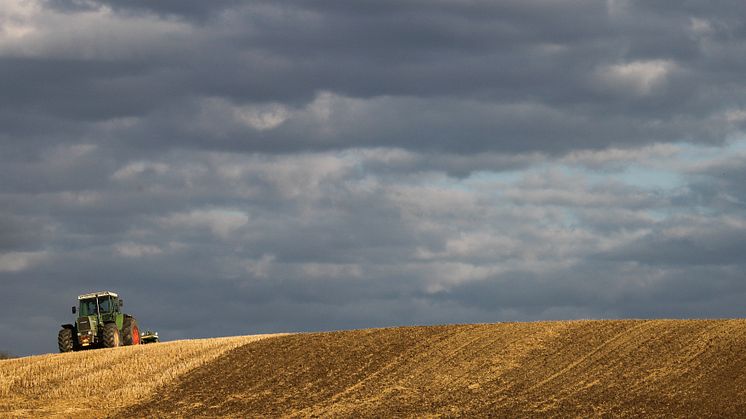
(661, 368)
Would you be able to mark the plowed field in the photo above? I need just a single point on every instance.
(634, 368)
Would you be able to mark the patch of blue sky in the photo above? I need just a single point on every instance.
(650, 178)
(737, 144)
(660, 214)
(695, 152)
(642, 177)
(502, 177)
(570, 220)
(661, 175)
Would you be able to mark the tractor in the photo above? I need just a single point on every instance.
(100, 324)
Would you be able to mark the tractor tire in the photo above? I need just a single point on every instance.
(130, 332)
(65, 340)
(112, 339)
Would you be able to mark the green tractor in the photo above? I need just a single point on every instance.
(100, 324)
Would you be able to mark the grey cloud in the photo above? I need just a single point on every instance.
(457, 70)
(689, 241)
(19, 233)
(263, 167)
(191, 10)
(719, 184)
(634, 291)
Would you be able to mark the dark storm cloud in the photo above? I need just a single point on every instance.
(242, 167)
(708, 243)
(20, 233)
(187, 9)
(680, 292)
(720, 184)
(469, 77)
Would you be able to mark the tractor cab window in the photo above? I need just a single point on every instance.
(88, 307)
(104, 304)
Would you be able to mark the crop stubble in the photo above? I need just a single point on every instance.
(632, 368)
(99, 382)
(659, 368)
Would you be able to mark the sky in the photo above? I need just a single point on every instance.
(240, 167)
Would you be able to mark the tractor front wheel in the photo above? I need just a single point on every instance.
(130, 331)
(111, 335)
(65, 340)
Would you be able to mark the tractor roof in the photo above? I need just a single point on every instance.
(97, 294)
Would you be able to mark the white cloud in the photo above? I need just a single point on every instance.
(131, 170)
(638, 77)
(15, 20)
(441, 276)
(27, 29)
(735, 116)
(297, 176)
(19, 261)
(615, 157)
(221, 222)
(262, 117)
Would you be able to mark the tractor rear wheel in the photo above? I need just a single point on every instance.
(111, 335)
(130, 331)
(65, 340)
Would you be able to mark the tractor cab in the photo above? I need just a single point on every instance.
(99, 304)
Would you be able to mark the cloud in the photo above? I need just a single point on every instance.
(19, 261)
(134, 169)
(330, 270)
(259, 268)
(618, 158)
(321, 165)
(639, 77)
(262, 117)
(137, 250)
(221, 222)
(465, 78)
(690, 240)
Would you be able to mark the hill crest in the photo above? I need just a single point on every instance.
(653, 368)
